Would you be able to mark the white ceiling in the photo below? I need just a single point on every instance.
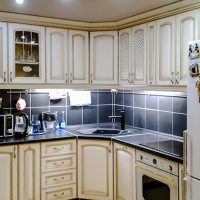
(84, 10)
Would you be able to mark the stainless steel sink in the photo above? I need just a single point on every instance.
(102, 131)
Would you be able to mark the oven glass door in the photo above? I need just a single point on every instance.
(154, 184)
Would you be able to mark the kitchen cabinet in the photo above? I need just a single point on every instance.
(151, 53)
(165, 51)
(125, 61)
(124, 173)
(104, 57)
(8, 173)
(29, 172)
(182, 185)
(3, 52)
(95, 170)
(26, 53)
(187, 29)
(57, 55)
(78, 57)
(139, 54)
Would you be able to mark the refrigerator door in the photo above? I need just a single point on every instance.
(193, 126)
(193, 191)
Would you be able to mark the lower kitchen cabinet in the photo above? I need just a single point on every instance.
(95, 170)
(8, 173)
(124, 173)
(29, 172)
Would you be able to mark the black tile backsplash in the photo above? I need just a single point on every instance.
(165, 113)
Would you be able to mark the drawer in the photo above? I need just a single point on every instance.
(61, 193)
(56, 163)
(54, 179)
(58, 148)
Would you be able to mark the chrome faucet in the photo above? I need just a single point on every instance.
(122, 117)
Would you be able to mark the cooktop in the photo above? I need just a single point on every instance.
(172, 147)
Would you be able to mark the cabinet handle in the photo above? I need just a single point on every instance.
(129, 77)
(4, 77)
(123, 147)
(11, 77)
(177, 78)
(91, 78)
(132, 80)
(66, 77)
(14, 155)
(58, 148)
(172, 77)
(71, 75)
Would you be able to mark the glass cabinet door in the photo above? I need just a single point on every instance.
(26, 53)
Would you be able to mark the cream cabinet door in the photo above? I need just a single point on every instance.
(3, 52)
(165, 51)
(57, 55)
(8, 173)
(78, 57)
(139, 52)
(29, 172)
(26, 53)
(151, 53)
(124, 173)
(125, 62)
(95, 170)
(104, 57)
(187, 29)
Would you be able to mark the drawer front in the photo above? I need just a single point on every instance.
(61, 193)
(58, 148)
(55, 163)
(60, 178)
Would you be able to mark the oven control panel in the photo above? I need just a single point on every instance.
(157, 162)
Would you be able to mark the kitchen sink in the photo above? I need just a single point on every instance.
(102, 131)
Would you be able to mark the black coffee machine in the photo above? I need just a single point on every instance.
(21, 124)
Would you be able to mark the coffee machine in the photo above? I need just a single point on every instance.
(21, 124)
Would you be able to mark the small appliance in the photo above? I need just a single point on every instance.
(47, 121)
(21, 125)
(6, 125)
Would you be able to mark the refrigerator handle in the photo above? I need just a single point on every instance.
(185, 141)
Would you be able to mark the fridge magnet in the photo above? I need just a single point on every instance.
(194, 70)
(193, 51)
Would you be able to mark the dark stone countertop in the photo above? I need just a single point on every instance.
(133, 139)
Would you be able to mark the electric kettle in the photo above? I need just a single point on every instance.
(21, 124)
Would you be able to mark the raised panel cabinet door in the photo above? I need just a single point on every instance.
(139, 54)
(151, 53)
(187, 28)
(165, 51)
(29, 172)
(57, 55)
(125, 56)
(3, 52)
(78, 57)
(8, 173)
(26, 53)
(104, 57)
(95, 170)
(124, 173)
(193, 191)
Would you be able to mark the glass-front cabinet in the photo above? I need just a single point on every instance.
(26, 54)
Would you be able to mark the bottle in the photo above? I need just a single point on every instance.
(62, 120)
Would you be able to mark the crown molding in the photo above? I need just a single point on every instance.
(166, 11)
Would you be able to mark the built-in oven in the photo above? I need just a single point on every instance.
(156, 178)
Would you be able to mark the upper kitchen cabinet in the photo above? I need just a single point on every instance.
(3, 52)
(104, 57)
(186, 30)
(57, 55)
(78, 57)
(165, 51)
(151, 53)
(125, 56)
(26, 53)
(139, 53)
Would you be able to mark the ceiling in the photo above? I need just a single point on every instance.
(84, 10)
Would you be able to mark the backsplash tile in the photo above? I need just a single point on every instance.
(165, 122)
(152, 102)
(89, 114)
(104, 112)
(139, 100)
(180, 124)
(152, 120)
(179, 105)
(139, 118)
(165, 103)
(74, 115)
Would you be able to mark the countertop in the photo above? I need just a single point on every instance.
(134, 138)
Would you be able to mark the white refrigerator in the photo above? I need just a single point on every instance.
(193, 123)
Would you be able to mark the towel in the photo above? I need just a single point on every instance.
(80, 98)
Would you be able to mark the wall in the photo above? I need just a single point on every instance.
(160, 112)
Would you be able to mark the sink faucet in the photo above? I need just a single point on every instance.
(122, 117)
